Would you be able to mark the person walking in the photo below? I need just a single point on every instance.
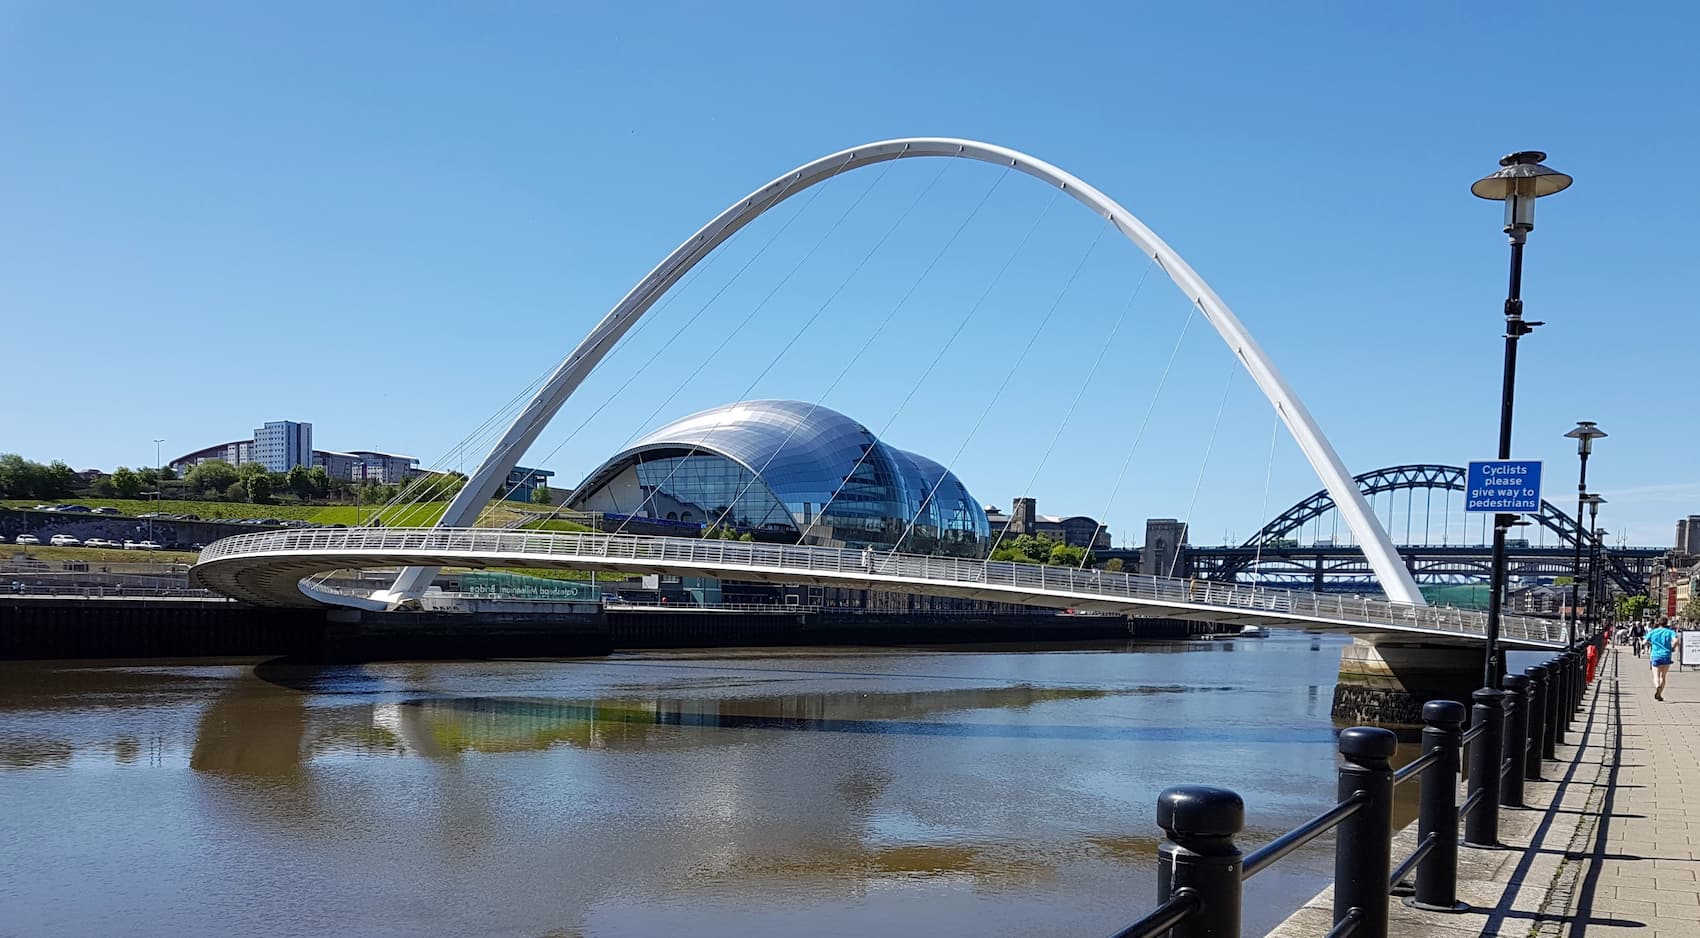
(1662, 645)
(1637, 636)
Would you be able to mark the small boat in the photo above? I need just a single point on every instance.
(1253, 631)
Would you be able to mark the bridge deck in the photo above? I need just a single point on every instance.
(267, 568)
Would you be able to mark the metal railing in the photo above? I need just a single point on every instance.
(1201, 872)
(717, 555)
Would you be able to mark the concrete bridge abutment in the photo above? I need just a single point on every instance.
(1387, 683)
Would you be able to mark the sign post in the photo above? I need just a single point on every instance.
(1504, 488)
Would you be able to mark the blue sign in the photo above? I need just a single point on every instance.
(1503, 486)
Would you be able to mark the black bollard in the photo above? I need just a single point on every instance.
(1561, 706)
(1516, 738)
(1537, 721)
(1481, 828)
(1363, 845)
(1200, 855)
(1549, 725)
(1437, 812)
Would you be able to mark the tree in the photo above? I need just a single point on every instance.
(542, 496)
(167, 474)
(320, 481)
(59, 482)
(300, 481)
(149, 476)
(1691, 609)
(1064, 555)
(103, 487)
(1114, 565)
(747, 537)
(251, 470)
(1631, 608)
(260, 488)
(126, 483)
(236, 492)
(213, 475)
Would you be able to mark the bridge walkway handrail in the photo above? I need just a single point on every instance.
(1086, 584)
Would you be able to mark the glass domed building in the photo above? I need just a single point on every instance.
(789, 470)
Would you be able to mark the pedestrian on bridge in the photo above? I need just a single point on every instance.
(1662, 645)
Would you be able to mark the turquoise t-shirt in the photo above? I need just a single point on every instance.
(1660, 642)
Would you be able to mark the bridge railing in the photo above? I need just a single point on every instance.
(1202, 872)
(452, 544)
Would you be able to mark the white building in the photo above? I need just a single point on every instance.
(283, 444)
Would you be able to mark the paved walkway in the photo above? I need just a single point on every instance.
(1609, 846)
(1643, 878)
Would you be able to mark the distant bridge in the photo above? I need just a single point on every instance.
(268, 568)
(1271, 555)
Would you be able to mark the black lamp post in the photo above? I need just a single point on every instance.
(1593, 563)
(1520, 180)
(1585, 434)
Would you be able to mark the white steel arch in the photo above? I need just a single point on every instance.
(493, 471)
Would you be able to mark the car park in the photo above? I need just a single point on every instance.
(26, 540)
(64, 540)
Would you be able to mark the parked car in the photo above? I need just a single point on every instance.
(148, 545)
(26, 540)
(64, 540)
(102, 510)
(97, 542)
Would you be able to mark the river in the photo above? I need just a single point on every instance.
(987, 791)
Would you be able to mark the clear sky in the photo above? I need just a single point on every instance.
(387, 218)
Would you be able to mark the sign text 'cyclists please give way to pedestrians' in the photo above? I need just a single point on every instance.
(1511, 486)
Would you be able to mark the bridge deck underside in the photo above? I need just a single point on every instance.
(273, 577)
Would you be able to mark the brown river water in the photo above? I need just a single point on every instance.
(985, 791)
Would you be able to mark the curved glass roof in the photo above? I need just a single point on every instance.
(837, 481)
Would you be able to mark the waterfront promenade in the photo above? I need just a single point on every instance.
(1609, 845)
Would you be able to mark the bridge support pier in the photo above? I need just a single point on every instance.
(1387, 683)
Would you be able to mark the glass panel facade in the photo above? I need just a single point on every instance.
(788, 466)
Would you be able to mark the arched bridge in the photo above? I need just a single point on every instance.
(1273, 550)
(267, 568)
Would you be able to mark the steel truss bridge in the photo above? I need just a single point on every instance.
(268, 568)
(1272, 556)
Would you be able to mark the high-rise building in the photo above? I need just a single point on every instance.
(283, 444)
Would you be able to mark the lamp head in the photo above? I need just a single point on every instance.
(1585, 434)
(1521, 180)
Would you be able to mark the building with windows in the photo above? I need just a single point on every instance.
(522, 481)
(283, 444)
(383, 468)
(1024, 518)
(789, 471)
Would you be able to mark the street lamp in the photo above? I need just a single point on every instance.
(1592, 503)
(1585, 434)
(1520, 180)
(1597, 577)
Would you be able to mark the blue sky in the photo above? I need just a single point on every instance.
(387, 218)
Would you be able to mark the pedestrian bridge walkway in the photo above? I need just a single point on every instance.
(269, 568)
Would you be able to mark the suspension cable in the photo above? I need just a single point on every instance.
(1209, 446)
(1009, 375)
(1103, 349)
(674, 337)
(1191, 311)
(1263, 509)
(901, 302)
(725, 415)
(798, 424)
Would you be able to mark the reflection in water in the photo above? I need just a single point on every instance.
(720, 793)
